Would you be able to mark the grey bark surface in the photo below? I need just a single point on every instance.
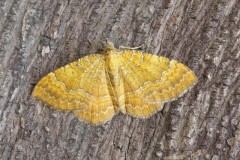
(39, 36)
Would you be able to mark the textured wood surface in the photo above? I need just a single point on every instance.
(37, 37)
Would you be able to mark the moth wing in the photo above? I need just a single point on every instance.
(149, 81)
(82, 87)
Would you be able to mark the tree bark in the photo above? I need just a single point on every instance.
(39, 36)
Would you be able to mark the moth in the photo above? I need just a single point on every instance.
(98, 86)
